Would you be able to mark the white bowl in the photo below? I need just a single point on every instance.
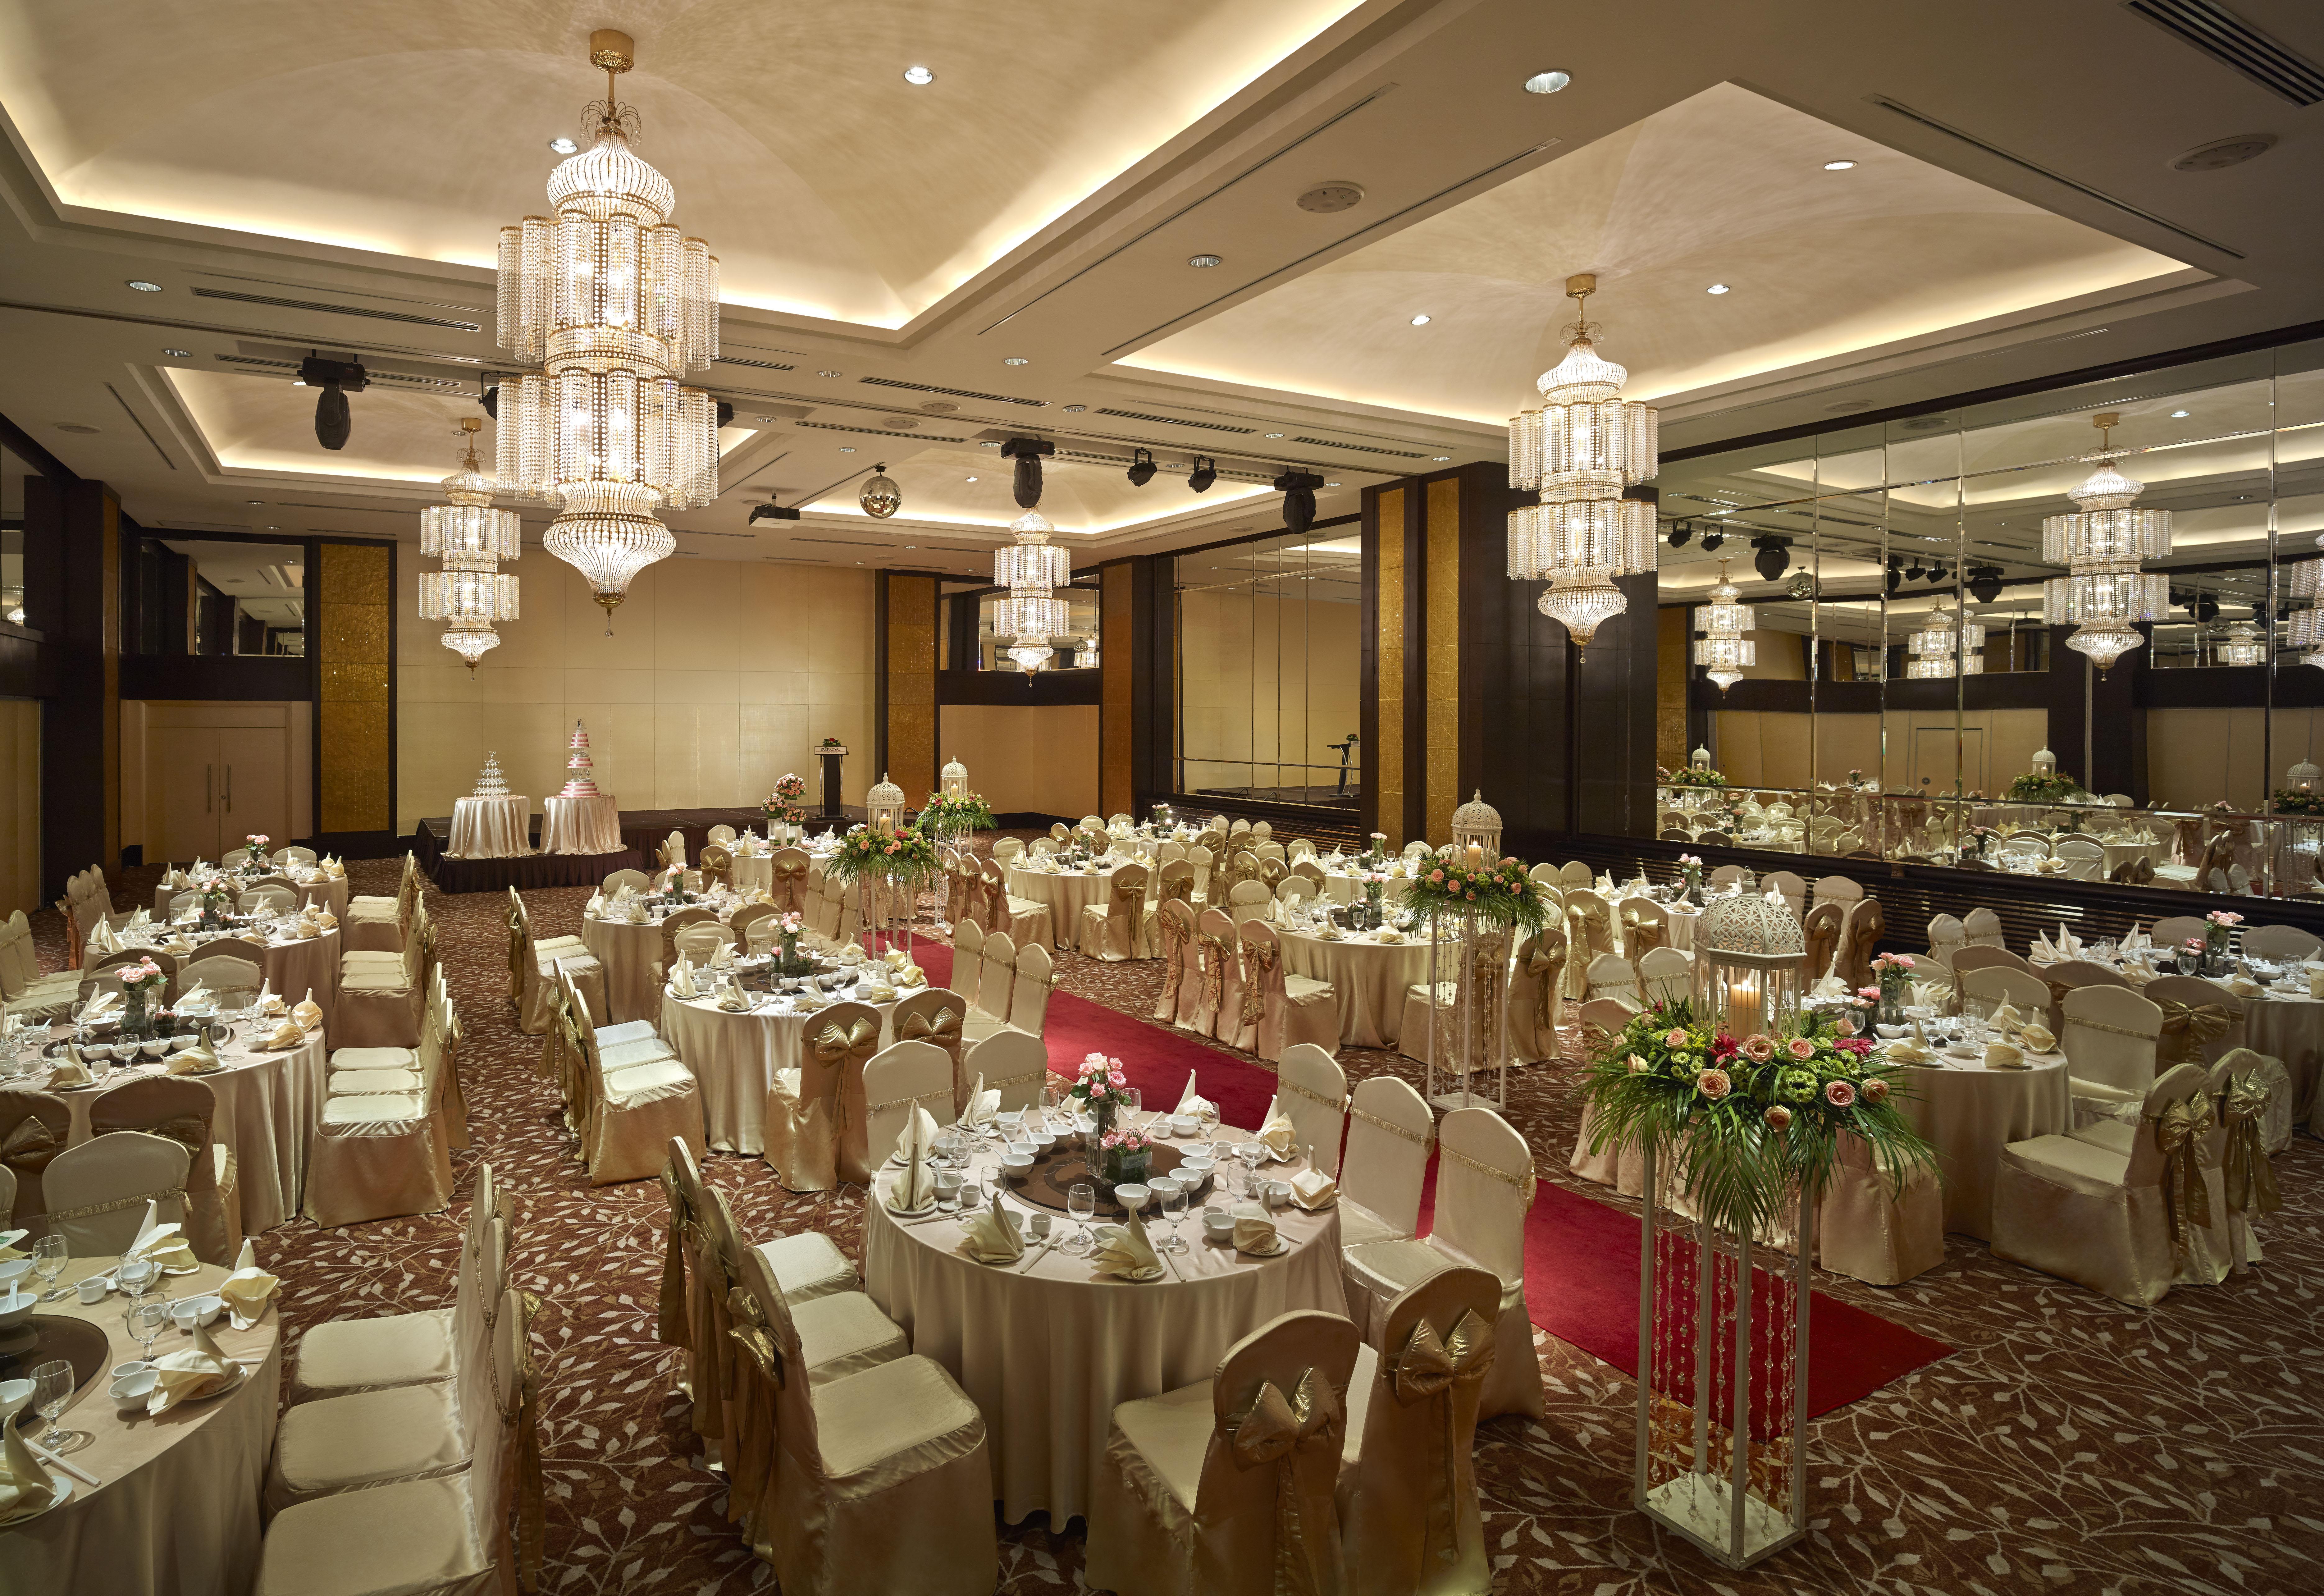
(97, 1052)
(130, 1393)
(134, 1366)
(18, 1307)
(1218, 1223)
(1131, 1195)
(1044, 1138)
(197, 1310)
(1186, 1125)
(14, 1396)
(1192, 1172)
(1892, 1031)
(154, 1049)
(1025, 1150)
(1016, 1163)
(180, 1044)
(14, 1270)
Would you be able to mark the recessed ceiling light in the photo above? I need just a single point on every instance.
(73, 427)
(273, 529)
(563, 145)
(1442, 458)
(1422, 319)
(826, 373)
(988, 446)
(1331, 484)
(968, 479)
(253, 504)
(179, 354)
(915, 76)
(143, 286)
(1014, 360)
(1840, 166)
(2178, 415)
(1546, 82)
(846, 448)
(1075, 410)
(766, 421)
(1716, 287)
(1275, 434)
(1203, 259)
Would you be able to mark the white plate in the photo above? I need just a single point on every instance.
(64, 1484)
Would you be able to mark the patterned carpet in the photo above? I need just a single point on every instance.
(2070, 1444)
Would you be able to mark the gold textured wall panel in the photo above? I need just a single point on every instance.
(911, 666)
(1443, 671)
(1117, 726)
(1672, 668)
(354, 599)
(1387, 757)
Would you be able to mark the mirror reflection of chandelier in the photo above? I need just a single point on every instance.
(472, 538)
(617, 305)
(1943, 648)
(1578, 451)
(1722, 645)
(2244, 644)
(1032, 569)
(2104, 592)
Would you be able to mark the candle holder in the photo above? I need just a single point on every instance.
(1751, 964)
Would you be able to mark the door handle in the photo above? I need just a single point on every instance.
(209, 790)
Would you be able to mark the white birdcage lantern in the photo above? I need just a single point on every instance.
(883, 806)
(2303, 777)
(2046, 763)
(1477, 829)
(1750, 965)
(1700, 759)
(954, 780)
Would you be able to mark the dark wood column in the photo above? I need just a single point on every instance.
(72, 568)
(1137, 742)
(905, 716)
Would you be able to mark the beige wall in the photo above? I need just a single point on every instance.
(2200, 756)
(1041, 758)
(20, 804)
(1271, 682)
(1773, 749)
(720, 675)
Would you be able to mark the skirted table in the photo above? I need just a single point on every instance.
(496, 828)
(579, 825)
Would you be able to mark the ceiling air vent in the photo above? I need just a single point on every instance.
(284, 304)
(1175, 421)
(2232, 41)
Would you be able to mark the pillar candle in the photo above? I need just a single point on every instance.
(1743, 1016)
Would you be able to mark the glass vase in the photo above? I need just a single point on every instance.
(1895, 991)
(1127, 1166)
(134, 1023)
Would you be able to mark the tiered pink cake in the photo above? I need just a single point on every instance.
(579, 781)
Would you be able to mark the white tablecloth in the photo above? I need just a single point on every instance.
(177, 1513)
(1344, 888)
(294, 969)
(1045, 1356)
(330, 892)
(1369, 978)
(1066, 894)
(753, 871)
(1969, 1115)
(2292, 1029)
(493, 828)
(631, 957)
(734, 1057)
(581, 825)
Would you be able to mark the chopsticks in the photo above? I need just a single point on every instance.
(60, 1465)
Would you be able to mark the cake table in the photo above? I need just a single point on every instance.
(491, 823)
(580, 820)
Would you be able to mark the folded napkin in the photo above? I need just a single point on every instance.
(101, 1005)
(732, 999)
(1191, 1102)
(1277, 1133)
(196, 1372)
(2069, 946)
(911, 975)
(595, 905)
(894, 958)
(681, 978)
(982, 1106)
(1253, 1230)
(25, 1488)
(1311, 1188)
(917, 1139)
(2316, 983)
(1909, 1050)
(1828, 986)
(2002, 1056)
(268, 1002)
(2243, 986)
(248, 1290)
(2007, 1018)
(2040, 950)
(722, 957)
(916, 1187)
(991, 1238)
(72, 1072)
(287, 1034)
(142, 918)
(1122, 1251)
(2037, 1037)
(103, 939)
(879, 992)
(334, 869)
(1388, 934)
(165, 1244)
(308, 1012)
(177, 947)
(1933, 994)
(192, 1061)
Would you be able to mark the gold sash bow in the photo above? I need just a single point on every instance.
(516, 940)
(2249, 1175)
(842, 1052)
(1544, 957)
(786, 883)
(943, 1031)
(1218, 952)
(1427, 1369)
(1174, 936)
(1270, 1433)
(527, 1484)
(670, 1327)
(2179, 1131)
(30, 1146)
(2189, 1027)
(1641, 932)
(1257, 963)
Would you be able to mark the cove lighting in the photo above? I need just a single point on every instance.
(1442, 458)
(1204, 261)
(1275, 434)
(846, 448)
(1546, 82)
(1014, 360)
(918, 76)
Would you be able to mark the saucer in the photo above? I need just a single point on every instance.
(1282, 1246)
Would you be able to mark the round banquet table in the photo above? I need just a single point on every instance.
(1066, 892)
(1047, 1350)
(1369, 978)
(270, 1103)
(581, 825)
(294, 969)
(491, 828)
(734, 1057)
(631, 953)
(1969, 1115)
(2292, 1029)
(323, 891)
(753, 871)
(1343, 887)
(176, 1513)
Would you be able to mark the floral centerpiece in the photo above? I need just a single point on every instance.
(1125, 1157)
(1690, 777)
(1098, 1088)
(2041, 786)
(946, 817)
(2215, 928)
(1497, 892)
(789, 960)
(1750, 1123)
(1690, 870)
(1892, 973)
(833, 743)
(2189, 955)
(138, 981)
(256, 843)
(904, 857)
(2299, 801)
(786, 804)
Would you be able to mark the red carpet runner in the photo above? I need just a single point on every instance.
(1581, 1257)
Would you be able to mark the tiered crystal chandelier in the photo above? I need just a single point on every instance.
(1578, 451)
(617, 305)
(1722, 645)
(472, 538)
(1032, 569)
(2244, 644)
(1943, 648)
(2304, 629)
(2101, 544)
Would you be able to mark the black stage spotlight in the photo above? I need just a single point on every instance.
(1939, 573)
(1773, 557)
(336, 379)
(1142, 467)
(1206, 472)
(1680, 534)
(1912, 572)
(726, 413)
(1298, 489)
(772, 511)
(1895, 571)
(491, 402)
(1984, 583)
(1026, 452)
(1712, 540)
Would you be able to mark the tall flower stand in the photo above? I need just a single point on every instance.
(1722, 1403)
(1480, 1019)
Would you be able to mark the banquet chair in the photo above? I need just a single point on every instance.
(1622, 1168)
(878, 1480)
(1027, 920)
(1013, 1063)
(93, 975)
(1860, 937)
(2280, 943)
(97, 1191)
(1390, 1131)
(2084, 858)
(1040, 847)
(2025, 846)
(2109, 1035)
(1218, 1001)
(1060, 833)
(1298, 848)
(1117, 929)
(1007, 849)
(636, 881)
(532, 962)
(786, 871)
(698, 944)
(965, 899)
(745, 924)
(378, 923)
(1226, 1487)
(1295, 889)
(1726, 875)
(1311, 1089)
(2250, 1091)
(2200, 1021)
(1837, 889)
(1534, 998)
(935, 1015)
(182, 1109)
(267, 900)
(442, 1532)
(1484, 1191)
(1946, 938)
(1614, 977)
(2069, 973)
(821, 910)
(1981, 927)
(898, 1079)
(2219, 1240)
(1174, 929)
(640, 1095)
(225, 969)
(717, 866)
(1409, 1520)
(355, 1070)
(722, 834)
(996, 983)
(1029, 990)
(34, 1127)
(805, 1110)
(1869, 1230)
(383, 1154)
(1984, 991)
(672, 852)
(2100, 1218)
(303, 857)
(967, 958)
(1714, 837)
(1308, 869)
(1645, 926)
(27, 992)
(1272, 850)
(1981, 956)
(379, 1006)
(1791, 887)
(1574, 873)
(1279, 1011)
(2173, 930)
(1248, 899)
(1198, 858)
(1665, 975)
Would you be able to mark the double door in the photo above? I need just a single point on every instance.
(216, 786)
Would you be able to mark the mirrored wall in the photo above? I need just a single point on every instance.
(1940, 668)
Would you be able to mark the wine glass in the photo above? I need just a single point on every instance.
(52, 1389)
(145, 1319)
(1173, 1198)
(136, 1275)
(948, 1147)
(50, 1256)
(1132, 1100)
(1081, 1206)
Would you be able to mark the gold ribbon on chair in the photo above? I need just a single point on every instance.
(1258, 961)
(527, 1486)
(2179, 1131)
(1218, 951)
(943, 1031)
(840, 1051)
(670, 1327)
(1174, 938)
(2188, 1029)
(30, 1146)
(2249, 1176)
(1642, 932)
(1547, 965)
(1127, 909)
(751, 1461)
(788, 884)
(1271, 1433)
(516, 940)
(1427, 1369)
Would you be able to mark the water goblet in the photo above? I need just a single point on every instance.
(136, 1275)
(145, 1319)
(1173, 1198)
(948, 1147)
(52, 1389)
(51, 1254)
(1080, 1207)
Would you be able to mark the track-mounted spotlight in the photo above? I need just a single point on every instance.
(1712, 540)
(1773, 558)
(1298, 489)
(1142, 467)
(1206, 472)
(1680, 535)
(336, 379)
(1026, 452)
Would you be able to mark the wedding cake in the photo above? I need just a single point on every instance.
(491, 783)
(578, 780)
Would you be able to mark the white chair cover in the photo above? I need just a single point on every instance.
(97, 1193)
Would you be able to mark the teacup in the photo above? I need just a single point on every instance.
(196, 1310)
(1039, 1224)
(130, 1393)
(93, 1290)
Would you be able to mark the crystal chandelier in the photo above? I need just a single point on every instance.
(1032, 568)
(471, 538)
(617, 306)
(2243, 645)
(1942, 648)
(1722, 645)
(1578, 451)
(2101, 544)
